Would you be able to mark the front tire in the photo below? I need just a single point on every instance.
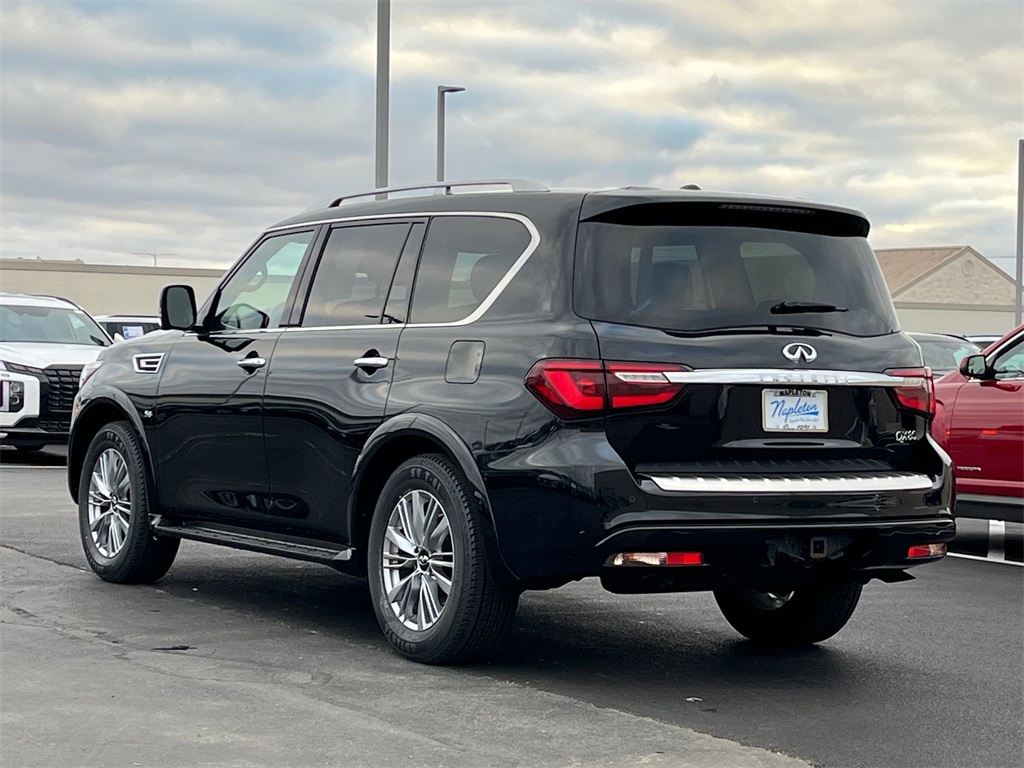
(114, 508)
(434, 596)
(807, 615)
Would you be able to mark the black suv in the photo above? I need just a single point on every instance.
(461, 396)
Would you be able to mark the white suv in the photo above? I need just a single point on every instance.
(44, 344)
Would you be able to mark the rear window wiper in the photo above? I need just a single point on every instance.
(794, 307)
(749, 329)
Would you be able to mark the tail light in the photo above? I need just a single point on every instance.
(580, 388)
(917, 392)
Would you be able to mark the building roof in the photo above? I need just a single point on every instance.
(902, 267)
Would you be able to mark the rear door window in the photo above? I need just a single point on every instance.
(463, 260)
(701, 278)
(354, 275)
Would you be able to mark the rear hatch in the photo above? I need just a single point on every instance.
(769, 333)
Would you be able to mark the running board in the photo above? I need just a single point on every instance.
(286, 546)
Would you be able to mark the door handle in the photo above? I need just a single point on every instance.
(370, 362)
(251, 363)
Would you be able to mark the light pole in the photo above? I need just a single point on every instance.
(441, 91)
(1020, 233)
(383, 81)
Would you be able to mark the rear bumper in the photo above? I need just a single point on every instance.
(560, 510)
(987, 507)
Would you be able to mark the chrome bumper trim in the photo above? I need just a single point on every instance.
(896, 481)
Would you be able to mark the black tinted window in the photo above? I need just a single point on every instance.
(354, 274)
(464, 258)
(693, 278)
(942, 355)
(256, 296)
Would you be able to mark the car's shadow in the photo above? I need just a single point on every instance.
(665, 645)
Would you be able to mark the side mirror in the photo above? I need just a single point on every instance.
(118, 337)
(177, 308)
(975, 367)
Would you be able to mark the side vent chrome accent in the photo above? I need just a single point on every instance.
(147, 363)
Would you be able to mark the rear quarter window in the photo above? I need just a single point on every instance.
(463, 260)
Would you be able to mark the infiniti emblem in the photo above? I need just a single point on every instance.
(798, 352)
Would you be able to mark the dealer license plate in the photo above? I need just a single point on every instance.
(794, 410)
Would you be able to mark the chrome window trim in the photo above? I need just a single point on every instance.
(838, 483)
(787, 377)
(477, 313)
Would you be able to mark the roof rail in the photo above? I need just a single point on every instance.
(515, 185)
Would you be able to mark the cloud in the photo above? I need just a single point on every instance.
(188, 127)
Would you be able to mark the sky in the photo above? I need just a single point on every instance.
(184, 129)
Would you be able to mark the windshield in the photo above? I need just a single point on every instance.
(53, 325)
(944, 355)
(704, 278)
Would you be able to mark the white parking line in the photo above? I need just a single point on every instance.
(996, 540)
(984, 559)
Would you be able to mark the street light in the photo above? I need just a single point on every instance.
(152, 255)
(441, 91)
(1019, 288)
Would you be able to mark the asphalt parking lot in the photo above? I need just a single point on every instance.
(249, 660)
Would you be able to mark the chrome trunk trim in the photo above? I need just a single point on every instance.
(785, 376)
(838, 483)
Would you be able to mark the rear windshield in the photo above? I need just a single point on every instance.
(704, 278)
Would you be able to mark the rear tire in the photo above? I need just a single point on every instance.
(805, 616)
(113, 511)
(434, 596)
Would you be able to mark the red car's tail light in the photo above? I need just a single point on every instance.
(579, 388)
(918, 390)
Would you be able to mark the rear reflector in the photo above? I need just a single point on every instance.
(580, 388)
(926, 550)
(656, 558)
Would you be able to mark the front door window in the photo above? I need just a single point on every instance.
(256, 296)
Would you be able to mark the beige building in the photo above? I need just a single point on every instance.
(952, 289)
(945, 290)
(103, 289)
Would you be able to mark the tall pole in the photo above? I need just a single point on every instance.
(383, 81)
(441, 91)
(1020, 233)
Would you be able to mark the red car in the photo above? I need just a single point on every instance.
(980, 423)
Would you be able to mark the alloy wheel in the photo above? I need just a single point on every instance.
(110, 503)
(418, 560)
